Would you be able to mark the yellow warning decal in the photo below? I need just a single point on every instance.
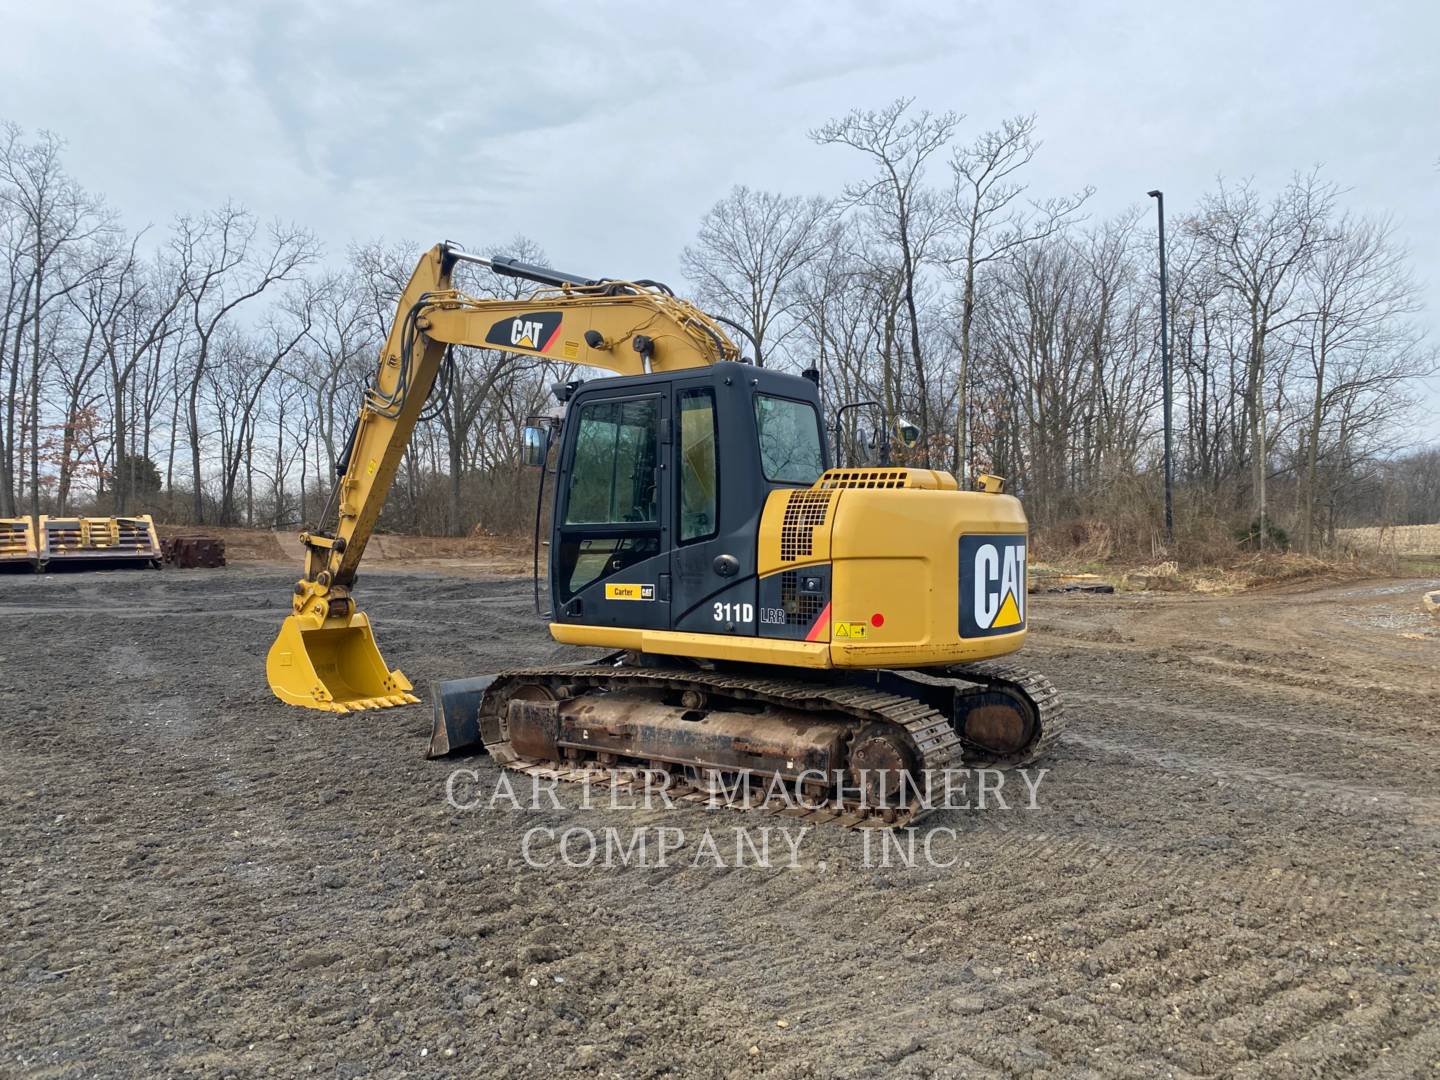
(370, 469)
(572, 350)
(629, 592)
(852, 630)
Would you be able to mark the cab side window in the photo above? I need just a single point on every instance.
(698, 478)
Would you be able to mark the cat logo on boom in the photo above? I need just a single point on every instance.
(533, 332)
(992, 585)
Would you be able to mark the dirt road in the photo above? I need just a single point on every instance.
(1231, 871)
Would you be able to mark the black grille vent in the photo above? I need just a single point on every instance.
(801, 609)
(804, 513)
(866, 478)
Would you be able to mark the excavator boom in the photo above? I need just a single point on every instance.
(325, 656)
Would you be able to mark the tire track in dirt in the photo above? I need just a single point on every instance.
(250, 887)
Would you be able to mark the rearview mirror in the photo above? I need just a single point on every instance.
(535, 443)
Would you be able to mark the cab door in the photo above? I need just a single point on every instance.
(611, 538)
(715, 497)
(740, 433)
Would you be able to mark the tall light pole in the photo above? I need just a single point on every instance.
(1159, 197)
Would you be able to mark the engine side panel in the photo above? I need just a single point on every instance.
(906, 586)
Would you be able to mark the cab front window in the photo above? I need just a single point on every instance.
(790, 449)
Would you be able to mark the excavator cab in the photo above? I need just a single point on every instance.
(660, 484)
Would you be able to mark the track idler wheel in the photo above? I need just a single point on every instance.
(998, 721)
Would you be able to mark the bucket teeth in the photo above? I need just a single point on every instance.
(389, 701)
(376, 702)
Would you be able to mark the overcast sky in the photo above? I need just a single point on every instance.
(604, 131)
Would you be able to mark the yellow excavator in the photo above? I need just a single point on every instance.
(770, 620)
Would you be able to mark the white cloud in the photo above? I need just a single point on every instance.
(604, 131)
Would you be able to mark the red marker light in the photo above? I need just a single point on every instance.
(877, 619)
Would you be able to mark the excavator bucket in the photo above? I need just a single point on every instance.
(17, 543)
(333, 668)
(109, 541)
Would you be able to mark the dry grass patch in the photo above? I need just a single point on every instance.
(1237, 574)
(1393, 540)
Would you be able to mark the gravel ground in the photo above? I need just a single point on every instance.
(1231, 871)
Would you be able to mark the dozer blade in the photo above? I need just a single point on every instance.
(333, 668)
(456, 721)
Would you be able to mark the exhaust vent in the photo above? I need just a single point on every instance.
(924, 479)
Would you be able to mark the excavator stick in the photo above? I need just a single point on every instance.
(335, 667)
(17, 544)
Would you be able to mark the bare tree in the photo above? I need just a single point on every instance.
(991, 221)
(1037, 327)
(750, 249)
(838, 297)
(82, 354)
(16, 301)
(140, 315)
(906, 212)
(225, 264)
(1261, 252)
(1360, 295)
(57, 219)
(338, 357)
(249, 363)
(474, 374)
(383, 271)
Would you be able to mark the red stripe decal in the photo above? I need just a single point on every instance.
(551, 339)
(821, 630)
